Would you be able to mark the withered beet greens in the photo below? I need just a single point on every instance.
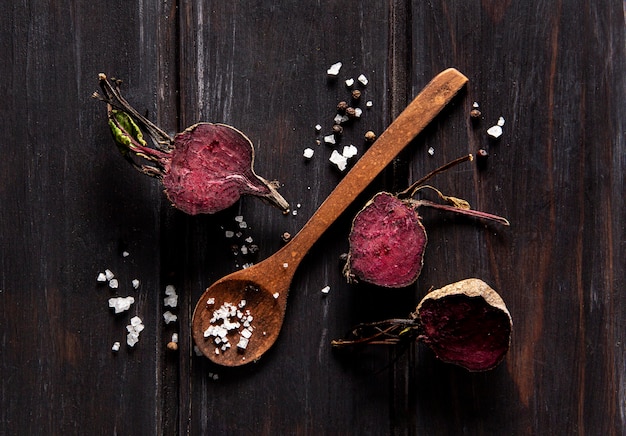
(204, 169)
(464, 323)
(387, 239)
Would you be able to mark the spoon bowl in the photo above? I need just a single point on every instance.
(259, 293)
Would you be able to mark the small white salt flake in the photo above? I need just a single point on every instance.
(308, 153)
(475, 105)
(330, 139)
(334, 69)
(339, 160)
(275, 295)
(169, 317)
(121, 304)
(431, 151)
(101, 277)
(116, 346)
(349, 151)
(135, 283)
(108, 274)
(229, 233)
(113, 284)
(246, 333)
(369, 103)
(363, 79)
(239, 218)
(340, 119)
(175, 338)
(285, 265)
(211, 300)
(294, 212)
(125, 254)
(495, 131)
(358, 112)
(217, 350)
(249, 239)
(318, 128)
(242, 304)
(325, 289)
(244, 250)
(243, 225)
(501, 121)
(350, 82)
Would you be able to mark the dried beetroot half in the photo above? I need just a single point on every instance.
(387, 239)
(466, 323)
(204, 169)
(387, 243)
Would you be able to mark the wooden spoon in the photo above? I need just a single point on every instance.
(262, 289)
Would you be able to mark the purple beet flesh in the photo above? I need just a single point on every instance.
(387, 243)
(466, 323)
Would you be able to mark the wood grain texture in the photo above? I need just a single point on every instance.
(70, 205)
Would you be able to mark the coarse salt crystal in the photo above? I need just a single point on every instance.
(308, 153)
(125, 254)
(349, 82)
(134, 328)
(135, 283)
(101, 277)
(243, 343)
(340, 119)
(121, 304)
(113, 284)
(172, 299)
(249, 239)
(501, 121)
(116, 346)
(363, 79)
(108, 274)
(349, 151)
(275, 295)
(334, 69)
(339, 160)
(369, 103)
(211, 300)
(244, 249)
(229, 233)
(495, 131)
(475, 104)
(325, 289)
(329, 139)
(318, 128)
(175, 338)
(169, 317)
(285, 265)
(431, 151)
(239, 218)
(246, 333)
(358, 112)
(243, 225)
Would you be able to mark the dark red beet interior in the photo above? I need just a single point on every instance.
(211, 166)
(466, 331)
(387, 243)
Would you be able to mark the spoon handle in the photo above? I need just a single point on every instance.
(421, 111)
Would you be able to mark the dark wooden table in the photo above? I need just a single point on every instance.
(71, 207)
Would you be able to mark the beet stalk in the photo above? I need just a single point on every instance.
(388, 239)
(464, 323)
(204, 169)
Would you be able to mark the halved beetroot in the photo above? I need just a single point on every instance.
(387, 243)
(466, 323)
(204, 169)
(387, 239)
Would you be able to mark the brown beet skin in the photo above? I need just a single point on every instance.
(467, 324)
(210, 168)
(387, 243)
